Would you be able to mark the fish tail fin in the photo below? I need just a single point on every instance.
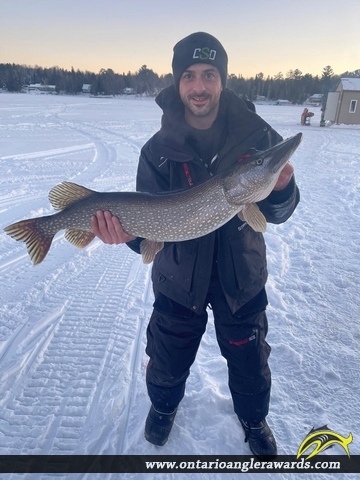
(37, 243)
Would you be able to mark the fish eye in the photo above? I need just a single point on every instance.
(259, 161)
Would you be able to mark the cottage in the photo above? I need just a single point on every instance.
(40, 88)
(86, 88)
(283, 102)
(343, 105)
(315, 100)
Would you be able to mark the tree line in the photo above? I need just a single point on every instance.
(15, 77)
(294, 86)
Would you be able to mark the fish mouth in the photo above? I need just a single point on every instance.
(278, 156)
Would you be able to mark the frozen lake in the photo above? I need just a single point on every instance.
(72, 330)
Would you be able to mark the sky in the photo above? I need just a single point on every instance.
(268, 36)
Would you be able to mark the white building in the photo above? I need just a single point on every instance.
(315, 99)
(38, 87)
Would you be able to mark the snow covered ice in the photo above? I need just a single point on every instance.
(72, 330)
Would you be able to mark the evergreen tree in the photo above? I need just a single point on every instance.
(326, 79)
(13, 81)
(146, 81)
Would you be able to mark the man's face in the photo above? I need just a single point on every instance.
(200, 88)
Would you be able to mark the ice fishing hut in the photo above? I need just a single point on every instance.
(343, 105)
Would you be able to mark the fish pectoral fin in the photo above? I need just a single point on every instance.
(253, 217)
(66, 193)
(149, 249)
(79, 238)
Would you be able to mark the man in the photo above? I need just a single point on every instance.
(205, 128)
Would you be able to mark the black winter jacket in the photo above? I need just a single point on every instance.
(182, 270)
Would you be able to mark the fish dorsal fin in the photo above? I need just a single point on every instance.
(253, 217)
(66, 193)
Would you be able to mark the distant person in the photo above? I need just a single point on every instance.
(205, 129)
(322, 119)
(305, 117)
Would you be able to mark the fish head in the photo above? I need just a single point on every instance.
(253, 179)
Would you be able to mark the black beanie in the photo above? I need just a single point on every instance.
(199, 47)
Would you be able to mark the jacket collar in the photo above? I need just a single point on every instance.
(240, 123)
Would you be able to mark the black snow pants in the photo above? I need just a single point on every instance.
(173, 337)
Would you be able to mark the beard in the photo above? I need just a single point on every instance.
(201, 105)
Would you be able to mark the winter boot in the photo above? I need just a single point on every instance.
(158, 426)
(261, 440)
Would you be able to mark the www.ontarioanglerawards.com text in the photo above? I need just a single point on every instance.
(243, 466)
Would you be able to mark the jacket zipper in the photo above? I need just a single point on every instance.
(187, 174)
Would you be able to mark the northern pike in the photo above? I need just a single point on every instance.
(159, 218)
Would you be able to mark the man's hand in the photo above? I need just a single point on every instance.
(108, 228)
(285, 177)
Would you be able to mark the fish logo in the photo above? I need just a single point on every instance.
(323, 438)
